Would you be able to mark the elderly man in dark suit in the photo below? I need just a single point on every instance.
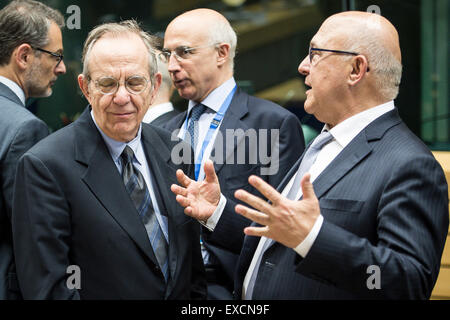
(93, 214)
(363, 213)
(243, 134)
(30, 62)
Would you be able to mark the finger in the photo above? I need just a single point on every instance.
(210, 173)
(257, 231)
(183, 201)
(254, 201)
(307, 187)
(182, 178)
(266, 189)
(178, 190)
(252, 214)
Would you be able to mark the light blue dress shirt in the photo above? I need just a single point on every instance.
(140, 162)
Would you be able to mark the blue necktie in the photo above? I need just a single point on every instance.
(308, 160)
(137, 189)
(196, 113)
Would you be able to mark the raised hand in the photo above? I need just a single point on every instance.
(199, 198)
(285, 221)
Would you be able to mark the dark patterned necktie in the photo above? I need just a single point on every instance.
(196, 113)
(137, 189)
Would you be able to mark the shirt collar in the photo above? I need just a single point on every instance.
(348, 129)
(216, 98)
(14, 88)
(157, 110)
(116, 147)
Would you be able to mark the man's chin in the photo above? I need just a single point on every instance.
(41, 93)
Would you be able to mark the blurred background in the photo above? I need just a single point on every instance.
(273, 38)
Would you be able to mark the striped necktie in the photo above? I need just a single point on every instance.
(196, 113)
(137, 189)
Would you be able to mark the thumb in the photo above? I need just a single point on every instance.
(210, 173)
(307, 187)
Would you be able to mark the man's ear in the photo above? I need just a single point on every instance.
(359, 69)
(223, 50)
(157, 78)
(23, 56)
(83, 83)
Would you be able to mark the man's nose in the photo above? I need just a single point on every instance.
(61, 68)
(122, 96)
(304, 66)
(173, 64)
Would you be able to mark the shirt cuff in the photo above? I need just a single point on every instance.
(214, 219)
(304, 246)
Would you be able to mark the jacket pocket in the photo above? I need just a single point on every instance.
(341, 205)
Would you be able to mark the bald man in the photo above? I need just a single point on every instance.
(200, 46)
(363, 213)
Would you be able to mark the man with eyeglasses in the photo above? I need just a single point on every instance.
(30, 62)
(363, 214)
(162, 109)
(93, 215)
(226, 124)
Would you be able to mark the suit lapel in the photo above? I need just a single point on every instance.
(232, 120)
(104, 181)
(356, 151)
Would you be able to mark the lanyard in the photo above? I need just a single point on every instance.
(212, 128)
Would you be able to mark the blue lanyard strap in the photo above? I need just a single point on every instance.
(212, 128)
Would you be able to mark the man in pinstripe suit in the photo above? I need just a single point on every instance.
(370, 217)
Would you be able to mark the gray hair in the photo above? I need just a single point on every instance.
(25, 21)
(387, 70)
(222, 32)
(118, 29)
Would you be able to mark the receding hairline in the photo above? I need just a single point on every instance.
(108, 35)
(376, 24)
(206, 15)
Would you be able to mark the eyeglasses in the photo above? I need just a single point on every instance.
(180, 53)
(311, 55)
(110, 85)
(59, 57)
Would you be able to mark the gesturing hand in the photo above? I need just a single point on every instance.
(285, 221)
(198, 198)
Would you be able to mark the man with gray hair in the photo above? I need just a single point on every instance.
(30, 61)
(243, 134)
(93, 216)
(363, 214)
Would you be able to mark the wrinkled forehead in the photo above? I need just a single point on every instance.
(122, 52)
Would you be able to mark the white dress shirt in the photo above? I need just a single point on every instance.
(14, 88)
(157, 110)
(213, 101)
(343, 134)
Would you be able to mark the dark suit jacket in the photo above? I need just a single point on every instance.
(19, 131)
(165, 117)
(384, 201)
(247, 112)
(71, 208)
